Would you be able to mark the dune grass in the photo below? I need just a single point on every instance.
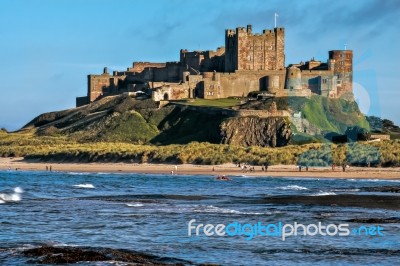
(61, 149)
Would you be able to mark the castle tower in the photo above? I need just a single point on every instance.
(343, 69)
(293, 79)
(273, 83)
(247, 51)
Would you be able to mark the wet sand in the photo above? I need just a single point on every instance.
(189, 169)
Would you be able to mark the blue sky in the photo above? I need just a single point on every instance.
(48, 47)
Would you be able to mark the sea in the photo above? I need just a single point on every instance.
(167, 216)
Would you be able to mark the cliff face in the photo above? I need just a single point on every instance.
(124, 119)
(255, 131)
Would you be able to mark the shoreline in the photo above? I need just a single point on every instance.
(190, 169)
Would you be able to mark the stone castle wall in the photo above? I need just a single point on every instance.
(249, 62)
(140, 66)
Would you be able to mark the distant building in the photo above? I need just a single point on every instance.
(379, 137)
(248, 62)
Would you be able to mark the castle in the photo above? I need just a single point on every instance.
(249, 62)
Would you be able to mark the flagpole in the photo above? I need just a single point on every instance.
(275, 18)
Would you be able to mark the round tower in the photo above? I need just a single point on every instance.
(293, 79)
(273, 83)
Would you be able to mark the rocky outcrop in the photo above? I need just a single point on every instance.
(62, 255)
(256, 131)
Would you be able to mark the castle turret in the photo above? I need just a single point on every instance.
(293, 79)
(343, 69)
(279, 48)
(249, 29)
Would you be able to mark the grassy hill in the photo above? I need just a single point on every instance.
(330, 116)
(124, 119)
(122, 129)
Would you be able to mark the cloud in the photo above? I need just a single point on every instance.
(316, 17)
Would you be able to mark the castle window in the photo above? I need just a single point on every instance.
(339, 82)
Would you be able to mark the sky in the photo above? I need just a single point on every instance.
(47, 48)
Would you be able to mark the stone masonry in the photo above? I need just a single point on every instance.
(249, 62)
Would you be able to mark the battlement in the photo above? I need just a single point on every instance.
(249, 32)
(140, 66)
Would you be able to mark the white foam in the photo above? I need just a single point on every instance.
(84, 186)
(18, 190)
(324, 194)
(16, 196)
(292, 187)
(214, 209)
(10, 197)
(134, 204)
(347, 190)
(77, 173)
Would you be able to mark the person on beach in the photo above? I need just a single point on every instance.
(47, 168)
(50, 168)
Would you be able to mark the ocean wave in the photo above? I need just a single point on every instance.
(134, 205)
(77, 173)
(16, 196)
(324, 193)
(214, 209)
(87, 185)
(18, 190)
(292, 187)
(346, 189)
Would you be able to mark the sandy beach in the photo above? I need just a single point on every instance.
(189, 169)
